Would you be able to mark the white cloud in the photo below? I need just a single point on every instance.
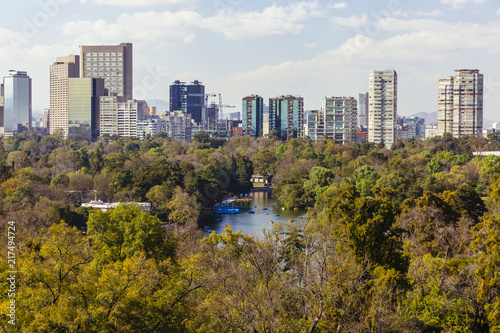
(272, 21)
(436, 12)
(166, 28)
(393, 24)
(143, 3)
(339, 5)
(309, 45)
(181, 27)
(498, 12)
(419, 54)
(456, 4)
(354, 21)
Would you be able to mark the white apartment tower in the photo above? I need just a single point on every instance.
(179, 125)
(382, 107)
(119, 116)
(60, 71)
(460, 103)
(337, 119)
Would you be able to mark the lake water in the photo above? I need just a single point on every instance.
(252, 224)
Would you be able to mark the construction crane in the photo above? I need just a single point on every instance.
(219, 109)
(206, 106)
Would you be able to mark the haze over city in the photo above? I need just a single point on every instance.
(237, 47)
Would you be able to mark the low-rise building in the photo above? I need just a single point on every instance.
(105, 206)
(150, 127)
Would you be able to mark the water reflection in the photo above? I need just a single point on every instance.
(252, 223)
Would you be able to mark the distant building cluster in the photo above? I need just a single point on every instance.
(374, 116)
(91, 95)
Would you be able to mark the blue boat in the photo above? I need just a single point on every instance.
(251, 212)
(227, 210)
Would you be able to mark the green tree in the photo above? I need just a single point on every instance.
(369, 227)
(364, 178)
(201, 137)
(126, 231)
(159, 196)
(50, 268)
(183, 207)
(486, 246)
(264, 161)
(319, 180)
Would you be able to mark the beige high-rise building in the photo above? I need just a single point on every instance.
(460, 103)
(113, 63)
(119, 116)
(60, 71)
(382, 107)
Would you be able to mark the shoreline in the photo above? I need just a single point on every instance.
(261, 189)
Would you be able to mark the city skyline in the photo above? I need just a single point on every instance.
(309, 48)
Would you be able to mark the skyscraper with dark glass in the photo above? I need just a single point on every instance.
(188, 98)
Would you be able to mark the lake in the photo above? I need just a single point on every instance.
(252, 224)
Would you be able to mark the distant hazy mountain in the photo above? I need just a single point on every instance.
(36, 114)
(160, 104)
(430, 117)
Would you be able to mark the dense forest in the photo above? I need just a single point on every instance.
(405, 239)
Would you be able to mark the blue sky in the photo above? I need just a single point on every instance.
(241, 47)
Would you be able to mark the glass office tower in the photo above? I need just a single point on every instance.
(83, 108)
(17, 103)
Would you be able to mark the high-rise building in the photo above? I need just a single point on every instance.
(337, 119)
(363, 102)
(83, 107)
(1, 105)
(252, 113)
(46, 119)
(265, 125)
(60, 71)
(382, 108)
(431, 131)
(178, 96)
(188, 98)
(152, 111)
(410, 127)
(286, 114)
(179, 126)
(226, 126)
(150, 127)
(113, 63)
(17, 103)
(119, 116)
(460, 103)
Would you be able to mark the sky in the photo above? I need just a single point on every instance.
(241, 47)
